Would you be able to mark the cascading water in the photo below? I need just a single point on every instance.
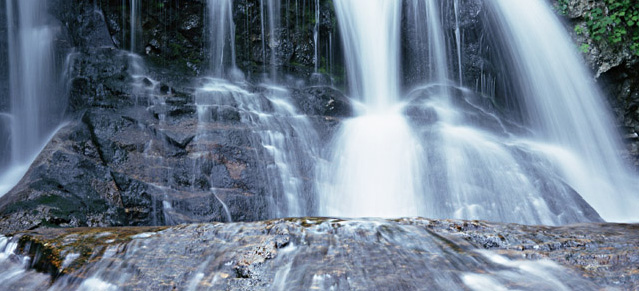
(304, 255)
(135, 25)
(143, 86)
(457, 157)
(566, 109)
(375, 156)
(274, 23)
(270, 24)
(286, 136)
(316, 35)
(471, 171)
(36, 93)
(430, 40)
(222, 38)
(425, 153)
(441, 151)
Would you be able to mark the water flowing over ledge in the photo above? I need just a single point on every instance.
(258, 139)
(323, 253)
(187, 113)
(429, 153)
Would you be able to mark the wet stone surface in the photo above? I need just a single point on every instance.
(322, 253)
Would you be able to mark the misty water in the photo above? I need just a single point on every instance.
(437, 148)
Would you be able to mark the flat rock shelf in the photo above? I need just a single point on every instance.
(326, 253)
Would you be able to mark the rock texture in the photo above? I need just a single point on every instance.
(311, 253)
(136, 151)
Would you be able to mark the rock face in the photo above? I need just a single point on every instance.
(616, 69)
(289, 47)
(137, 151)
(303, 254)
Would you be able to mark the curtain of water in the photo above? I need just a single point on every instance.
(465, 163)
(371, 45)
(565, 108)
(36, 92)
(33, 77)
(135, 24)
(274, 23)
(221, 37)
(316, 35)
(375, 158)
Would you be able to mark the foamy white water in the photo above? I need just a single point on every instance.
(374, 158)
(374, 163)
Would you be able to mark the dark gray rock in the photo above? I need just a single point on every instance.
(68, 185)
(172, 34)
(99, 78)
(293, 51)
(323, 101)
(84, 21)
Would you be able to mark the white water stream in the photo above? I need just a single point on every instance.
(375, 158)
(567, 110)
(457, 157)
(37, 99)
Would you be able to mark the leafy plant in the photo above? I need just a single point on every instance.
(615, 22)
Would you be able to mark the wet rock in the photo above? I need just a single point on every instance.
(475, 58)
(84, 21)
(99, 78)
(292, 50)
(172, 33)
(325, 253)
(323, 101)
(478, 110)
(68, 185)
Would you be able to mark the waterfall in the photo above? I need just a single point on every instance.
(273, 8)
(36, 93)
(135, 24)
(371, 42)
(33, 77)
(458, 42)
(443, 150)
(316, 35)
(143, 86)
(221, 38)
(565, 108)
(375, 157)
(286, 138)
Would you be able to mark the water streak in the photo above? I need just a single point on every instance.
(36, 91)
(565, 108)
(221, 38)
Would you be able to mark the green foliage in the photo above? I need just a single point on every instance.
(561, 6)
(615, 22)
